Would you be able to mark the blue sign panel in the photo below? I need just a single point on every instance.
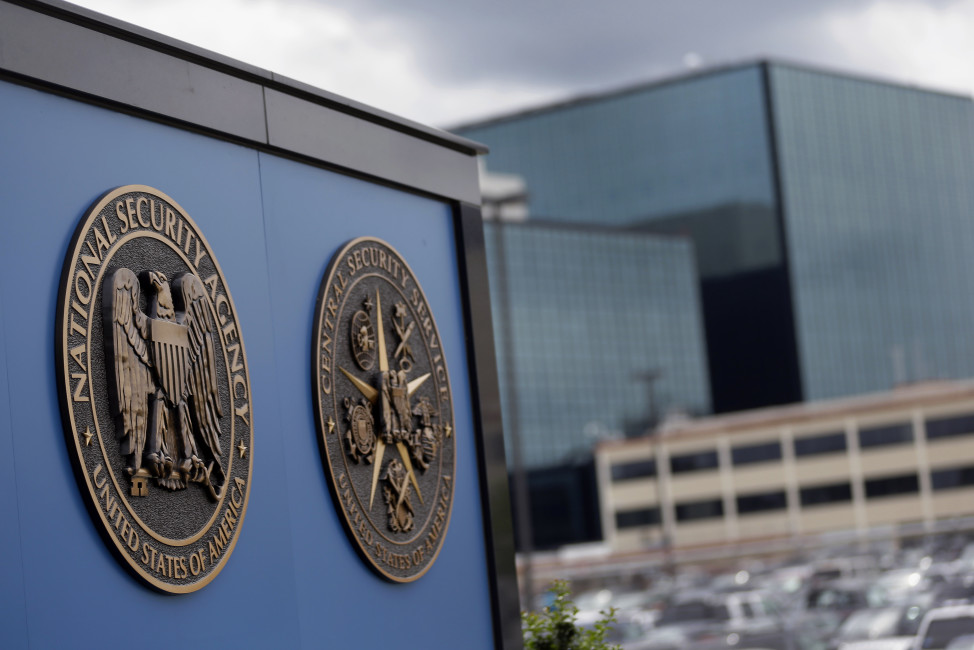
(294, 578)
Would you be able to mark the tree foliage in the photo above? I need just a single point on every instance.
(555, 627)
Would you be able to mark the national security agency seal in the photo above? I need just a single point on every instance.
(154, 389)
(384, 409)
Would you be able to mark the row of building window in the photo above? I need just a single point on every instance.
(694, 462)
(826, 443)
(758, 453)
(943, 479)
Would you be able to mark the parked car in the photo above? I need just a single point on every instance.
(735, 619)
(944, 624)
(964, 642)
(876, 623)
(826, 608)
(958, 591)
(889, 643)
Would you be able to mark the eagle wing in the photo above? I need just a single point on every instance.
(201, 379)
(125, 335)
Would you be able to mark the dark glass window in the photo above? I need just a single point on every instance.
(761, 502)
(892, 434)
(824, 444)
(699, 510)
(940, 632)
(634, 518)
(959, 425)
(954, 477)
(634, 470)
(892, 485)
(759, 453)
(693, 462)
(823, 494)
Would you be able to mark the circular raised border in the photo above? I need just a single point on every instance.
(328, 416)
(230, 509)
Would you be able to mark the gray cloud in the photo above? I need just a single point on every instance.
(554, 43)
(466, 59)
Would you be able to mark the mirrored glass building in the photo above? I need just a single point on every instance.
(582, 316)
(831, 216)
(598, 332)
(831, 223)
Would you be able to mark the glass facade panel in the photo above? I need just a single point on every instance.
(690, 157)
(758, 453)
(827, 230)
(877, 198)
(563, 505)
(859, 264)
(585, 312)
(654, 151)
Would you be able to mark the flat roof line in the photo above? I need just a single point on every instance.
(585, 98)
(161, 43)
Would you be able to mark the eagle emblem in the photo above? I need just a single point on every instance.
(165, 395)
(155, 388)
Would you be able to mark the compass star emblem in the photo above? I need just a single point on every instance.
(374, 395)
(384, 409)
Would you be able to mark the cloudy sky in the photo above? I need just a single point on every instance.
(445, 62)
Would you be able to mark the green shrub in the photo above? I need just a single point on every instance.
(554, 628)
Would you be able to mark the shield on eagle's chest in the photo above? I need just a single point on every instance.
(170, 354)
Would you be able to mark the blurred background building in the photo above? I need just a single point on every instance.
(901, 459)
(740, 238)
(581, 312)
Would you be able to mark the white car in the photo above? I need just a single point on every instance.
(942, 625)
(889, 643)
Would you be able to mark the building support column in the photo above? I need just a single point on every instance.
(923, 470)
(855, 477)
(793, 496)
(724, 462)
(607, 508)
(667, 510)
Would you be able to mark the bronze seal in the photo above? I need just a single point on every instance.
(384, 409)
(154, 388)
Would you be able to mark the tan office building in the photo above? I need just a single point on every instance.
(856, 464)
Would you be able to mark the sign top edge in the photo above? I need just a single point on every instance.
(93, 21)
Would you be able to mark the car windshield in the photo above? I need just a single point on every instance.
(693, 611)
(910, 621)
(962, 590)
(965, 642)
(836, 599)
(869, 624)
(942, 631)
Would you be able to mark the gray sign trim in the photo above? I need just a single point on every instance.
(95, 58)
